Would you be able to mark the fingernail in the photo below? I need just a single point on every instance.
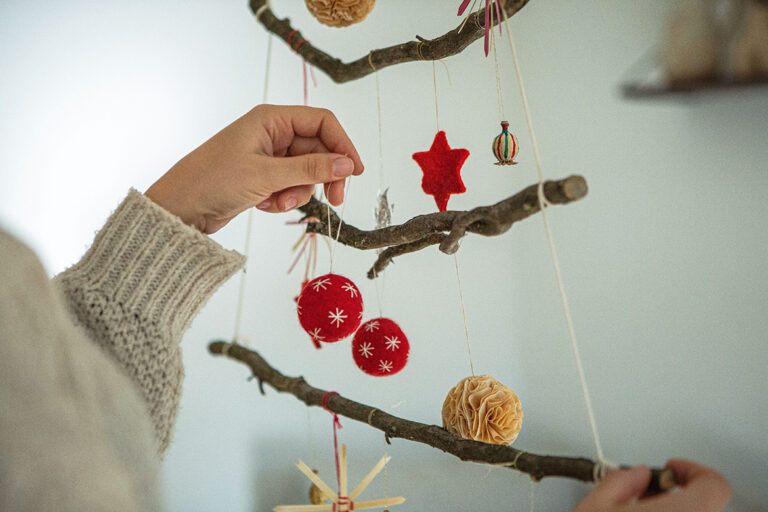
(290, 204)
(264, 205)
(343, 167)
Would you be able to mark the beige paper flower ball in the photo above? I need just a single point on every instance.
(340, 13)
(483, 409)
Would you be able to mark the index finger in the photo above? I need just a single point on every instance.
(322, 123)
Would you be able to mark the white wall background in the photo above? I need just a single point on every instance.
(664, 261)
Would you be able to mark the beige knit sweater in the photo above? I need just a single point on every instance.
(90, 364)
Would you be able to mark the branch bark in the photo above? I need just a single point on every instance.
(444, 228)
(537, 466)
(447, 45)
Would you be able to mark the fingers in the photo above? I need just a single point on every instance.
(304, 145)
(288, 122)
(700, 481)
(334, 192)
(287, 199)
(277, 173)
(622, 485)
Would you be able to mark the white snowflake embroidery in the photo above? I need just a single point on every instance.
(337, 317)
(371, 326)
(360, 315)
(385, 366)
(298, 308)
(316, 334)
(366, 350)
(349, 287)
(392, 342)
(322, 284)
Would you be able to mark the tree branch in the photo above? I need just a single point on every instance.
(537, 466)
(447, 45)
(444, 228)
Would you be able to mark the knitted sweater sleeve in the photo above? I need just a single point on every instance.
(136, 291)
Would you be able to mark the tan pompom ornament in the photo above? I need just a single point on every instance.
(340, 13)
(483, 409)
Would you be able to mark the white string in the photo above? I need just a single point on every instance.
(455, 258)
(335, 239)
(499, 95)
(261, 9)
(434, 84)
(553, 252)
(530, 494)
(241, 291)
(464, 313)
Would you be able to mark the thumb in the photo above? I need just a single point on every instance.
(309, 169)
(621, 485)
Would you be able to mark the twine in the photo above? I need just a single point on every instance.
(601, 461)
(261, 9)
(246, 251)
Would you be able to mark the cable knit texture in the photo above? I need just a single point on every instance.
(136, 291)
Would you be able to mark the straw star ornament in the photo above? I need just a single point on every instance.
(342, 502)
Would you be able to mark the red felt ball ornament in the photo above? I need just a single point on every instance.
(330, 308)
(380, 347)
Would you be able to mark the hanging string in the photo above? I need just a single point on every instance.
(249, 223)
(499, 95)
(455, 258)
(530, 494)
(602, 464)
(336, 427)
(464, 314)
(434, 84)
(335, 240)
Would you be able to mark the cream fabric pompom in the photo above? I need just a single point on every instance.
(340, 13)
(483, 409)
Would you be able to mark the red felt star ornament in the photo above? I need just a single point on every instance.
(441, 166)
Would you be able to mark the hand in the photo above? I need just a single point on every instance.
(271, 158)
(701, 490)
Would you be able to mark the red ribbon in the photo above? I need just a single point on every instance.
(336, 426)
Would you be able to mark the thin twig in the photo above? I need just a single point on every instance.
(537, 466)
(450, 43)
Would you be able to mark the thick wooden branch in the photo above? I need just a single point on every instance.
(537, 466)
(447, 45)
(444, 228)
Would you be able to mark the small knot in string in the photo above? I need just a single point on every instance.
(225, 349)
(601, 468)
(420, 47)
(261, 9)
(290, 38)
(370, 416)
(344, 504)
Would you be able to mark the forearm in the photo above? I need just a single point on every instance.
(137, 289)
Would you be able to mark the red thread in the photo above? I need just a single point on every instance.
(290, 36)
(296, 48)
(336, 426)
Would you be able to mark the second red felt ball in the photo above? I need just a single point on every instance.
(380, 347)
(330, 308)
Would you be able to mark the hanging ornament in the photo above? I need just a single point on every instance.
(330, 308)
(316, 496)
(505, 146)
(342, 502)
(380, 347)
(383, 211)
(483, 409)
(441, 166)
(340, 13)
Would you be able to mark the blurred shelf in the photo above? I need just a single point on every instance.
(685, 89)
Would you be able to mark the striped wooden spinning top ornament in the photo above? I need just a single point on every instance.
(505, 146)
